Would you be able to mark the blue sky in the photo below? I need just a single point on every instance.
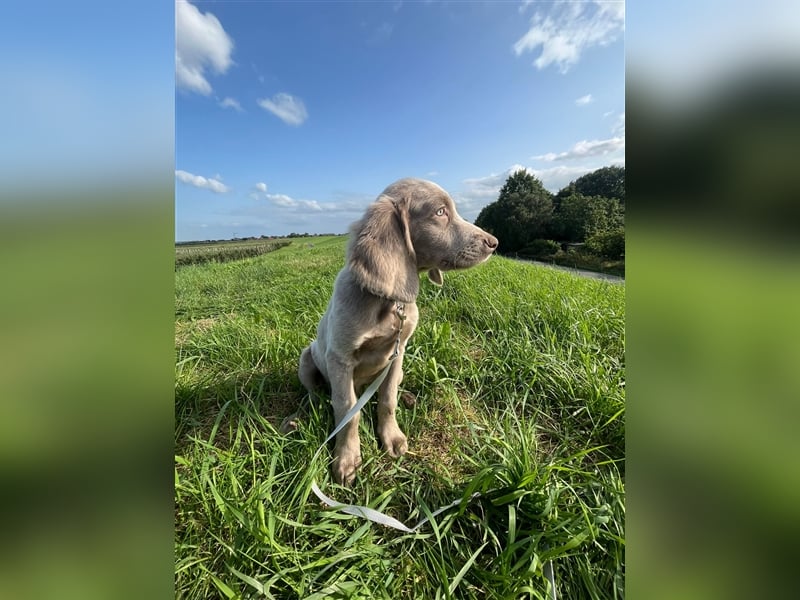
(293, 116)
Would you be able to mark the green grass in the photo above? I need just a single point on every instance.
(518, 372)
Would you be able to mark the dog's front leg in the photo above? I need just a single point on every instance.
(392, 438)
(347, 451)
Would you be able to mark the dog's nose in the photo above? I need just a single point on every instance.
(490, 241)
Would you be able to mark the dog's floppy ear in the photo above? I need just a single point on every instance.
(380, 255)
(435, 275)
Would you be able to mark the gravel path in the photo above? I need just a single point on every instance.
(582, 273)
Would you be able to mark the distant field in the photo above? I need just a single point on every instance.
(519, 376)
(224, 251)
(253, 241)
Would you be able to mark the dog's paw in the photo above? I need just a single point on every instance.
(345, 465)
(394, 441)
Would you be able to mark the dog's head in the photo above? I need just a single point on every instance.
(412, 226)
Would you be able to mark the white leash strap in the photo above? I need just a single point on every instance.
(366, 512)
(376, 516)
(368, 393)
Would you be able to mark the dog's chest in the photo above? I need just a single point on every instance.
(376, 347)
(382, 337)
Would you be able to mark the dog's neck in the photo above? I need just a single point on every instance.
(393, 300)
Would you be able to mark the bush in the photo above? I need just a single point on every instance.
(540, 249)
(608, 244)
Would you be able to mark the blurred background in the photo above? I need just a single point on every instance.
(86, 308)
(713, 290)
(86, 312)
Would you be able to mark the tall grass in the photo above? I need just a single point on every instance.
(518, 374)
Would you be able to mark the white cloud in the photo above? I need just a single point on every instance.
(286, 107)
(584, 100)
(199, 181)
(231, 103)
(570, 28)
(289, 202)
(480, 191)
(556, 178)
(349, 204)
(200, 43)
(584, 149)
(489, 186)
(281, 200)
(285, 201)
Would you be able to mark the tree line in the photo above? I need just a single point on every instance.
(587, 216)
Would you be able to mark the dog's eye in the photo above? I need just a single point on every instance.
(440, 212)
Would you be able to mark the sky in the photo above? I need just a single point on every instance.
(294, 116)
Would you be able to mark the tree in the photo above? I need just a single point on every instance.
(564, 192)
(521, 182)
(573, 218)
(579, 217)
(608, 182)
(522, 213)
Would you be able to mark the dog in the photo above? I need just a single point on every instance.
(412, 227)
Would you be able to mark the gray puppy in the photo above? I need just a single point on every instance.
(413, 226)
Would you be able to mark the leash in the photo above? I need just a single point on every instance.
(376, 516)
(366, 512)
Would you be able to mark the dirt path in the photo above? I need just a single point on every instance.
(581, 272)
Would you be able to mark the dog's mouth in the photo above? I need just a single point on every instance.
(465, 260)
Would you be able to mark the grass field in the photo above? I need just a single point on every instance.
(518, 374)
